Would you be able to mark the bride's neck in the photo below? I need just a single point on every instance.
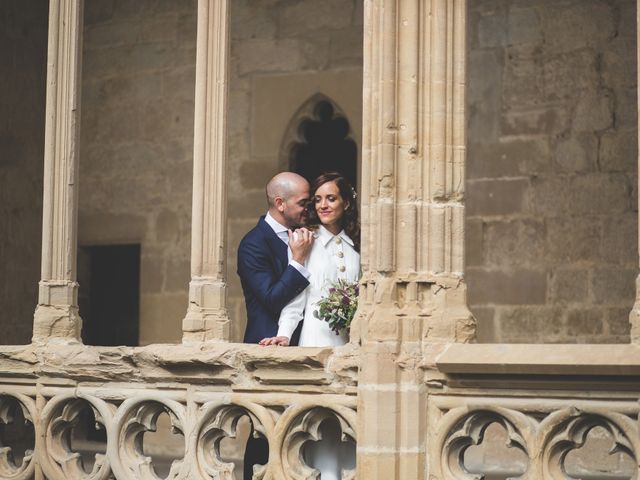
(334, 228)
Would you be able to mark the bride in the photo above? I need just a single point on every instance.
(333, 214)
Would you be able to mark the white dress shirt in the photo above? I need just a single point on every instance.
(283, 234)
(332, 257)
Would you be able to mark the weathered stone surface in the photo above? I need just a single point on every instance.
(618, 322)
(496, 197)
(576, 154)
(613, 286)
(523, 26)
(23, 51)
(569, 286)
(594, 112)
(619, 151)
(620, 239)
(516, 323)
(487, 331)
(330, 14)
(571, 240)
(515, 243)
(474, 242)
(568, 26)
(587, 322)
(509, 157)
(513, 287)
(492, 30)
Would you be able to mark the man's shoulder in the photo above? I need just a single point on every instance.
(255, 236)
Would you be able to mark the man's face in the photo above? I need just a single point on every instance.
(294, 208)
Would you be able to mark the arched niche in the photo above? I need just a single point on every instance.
(319, 138)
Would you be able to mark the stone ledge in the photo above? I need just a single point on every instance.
(539, 359)
(236, 366)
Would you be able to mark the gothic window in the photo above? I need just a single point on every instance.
(322, 141)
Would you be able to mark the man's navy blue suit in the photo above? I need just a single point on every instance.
(268, 283)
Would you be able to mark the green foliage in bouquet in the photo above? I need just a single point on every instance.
(339, 307)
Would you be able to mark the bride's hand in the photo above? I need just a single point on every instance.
(282, 341)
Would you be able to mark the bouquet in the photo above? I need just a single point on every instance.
(339, 307)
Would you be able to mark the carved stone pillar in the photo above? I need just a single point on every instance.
(207, 317)
(56, 315)
(634, 316)
(413, 294)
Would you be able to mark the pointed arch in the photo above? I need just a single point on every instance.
(318, 139)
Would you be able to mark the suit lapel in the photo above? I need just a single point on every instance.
(277, 246)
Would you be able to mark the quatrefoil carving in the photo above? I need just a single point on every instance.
(305, 426)
(571, 434)
(15, 409)
(135, 418)
(60, 417)
(218, 422)
(470, 430)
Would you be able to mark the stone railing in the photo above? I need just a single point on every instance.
(546, 406)
(565, 412)
(286, 393)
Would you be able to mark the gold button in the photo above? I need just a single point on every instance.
(342, 268)
(340, 254)
(338, 240)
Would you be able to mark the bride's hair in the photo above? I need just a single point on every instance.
(350, 221)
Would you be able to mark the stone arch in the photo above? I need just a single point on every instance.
(319, 138)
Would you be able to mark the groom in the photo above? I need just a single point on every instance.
(269, 278)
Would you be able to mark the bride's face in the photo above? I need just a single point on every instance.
(329, 204)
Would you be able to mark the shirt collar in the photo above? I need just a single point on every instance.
(275, 226)
(325, 236)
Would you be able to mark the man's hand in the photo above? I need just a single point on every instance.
(300, 243)
(282, 341)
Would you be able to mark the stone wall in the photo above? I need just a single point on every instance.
(282, 54)
(552, 169)
(23, 54)
(137, 146)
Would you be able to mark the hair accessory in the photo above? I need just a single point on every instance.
(353, 193)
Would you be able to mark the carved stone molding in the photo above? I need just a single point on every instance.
(134, 418)
(204, 419)
(546, 434)
(59, 417)
(300, 424)
(10, 470)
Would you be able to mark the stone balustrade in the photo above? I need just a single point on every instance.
(287, 393)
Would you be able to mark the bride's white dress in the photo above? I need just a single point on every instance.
(332, 257)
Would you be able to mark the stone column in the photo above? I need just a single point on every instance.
(56, 315)
(413, 296)
(207, 317)
(634, 316)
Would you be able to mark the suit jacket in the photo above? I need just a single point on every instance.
(268, 281)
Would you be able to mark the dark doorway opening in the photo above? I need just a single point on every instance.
(109, 298)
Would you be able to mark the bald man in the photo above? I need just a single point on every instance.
(270, 277)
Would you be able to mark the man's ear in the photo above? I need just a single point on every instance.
(279, 203)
